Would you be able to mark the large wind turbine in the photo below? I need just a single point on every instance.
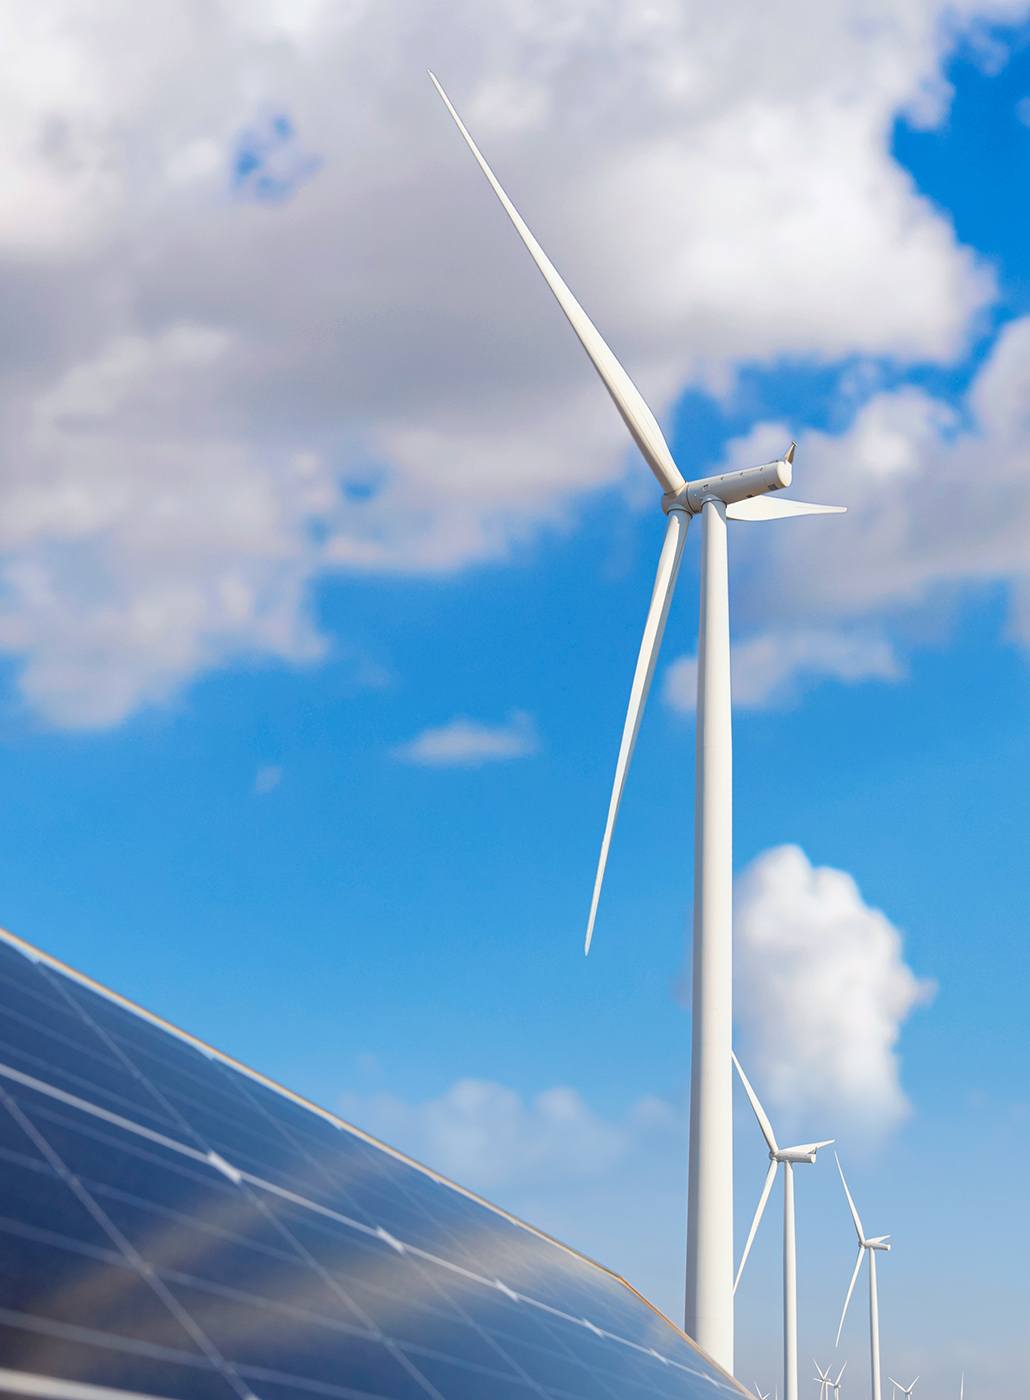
(865, 1246)
(790, 1157)
(738, 495)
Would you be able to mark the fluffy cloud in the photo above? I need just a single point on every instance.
(487, 1137)
(822, 991)
(938, 499)
(466, 744)
(264, 319)
(768, 667)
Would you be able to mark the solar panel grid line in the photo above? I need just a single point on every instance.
(31, 1322)
(53, 1388)
(144, 1270)
(80, 1048)
(23, 1230)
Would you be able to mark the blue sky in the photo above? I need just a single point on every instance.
(397, 499)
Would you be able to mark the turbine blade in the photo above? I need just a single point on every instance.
(657, 614)
(851, 1289)
(854, 1212)
(775, 508)
(809, 1146)
(839, 1374)
(626, 396)
(769, 1176)
(763, 1121)
(962, 1387)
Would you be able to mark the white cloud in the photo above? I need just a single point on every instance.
(938, 499)
(485, 1136)
(464, 743)
(267, 778)
(192, 377)
(767, 668)
(821, 992)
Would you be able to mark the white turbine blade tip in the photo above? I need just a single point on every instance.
(760, 1114)
(776, 508)
(626, 396)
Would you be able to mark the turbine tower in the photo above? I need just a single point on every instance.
(738, 495)
(790, 1157)
(865, 1246)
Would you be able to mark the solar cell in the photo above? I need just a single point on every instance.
(173, 1225)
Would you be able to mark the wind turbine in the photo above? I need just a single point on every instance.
(906, 1390)
(738, 495)
(869, 1246)
(835, 1385)
(790, 1157)
(823, 1380)
(759, 1393)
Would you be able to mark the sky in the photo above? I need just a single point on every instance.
(325, 559)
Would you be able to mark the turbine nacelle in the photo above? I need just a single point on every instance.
(796, 1155)
(880, 1243)
(730, 487)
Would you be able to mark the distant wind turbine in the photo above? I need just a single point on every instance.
(906, 1390)
(790, 1157)
(823, 1380)
(759, 1393)
(737, 495)
(835, 1385)
(865, 1246)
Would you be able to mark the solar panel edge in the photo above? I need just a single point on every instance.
(37, 955)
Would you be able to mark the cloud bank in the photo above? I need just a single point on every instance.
(264, 319)
(821, 992)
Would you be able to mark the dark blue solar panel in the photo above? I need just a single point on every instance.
(172, 1227)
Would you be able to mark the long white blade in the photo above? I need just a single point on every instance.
(763, 1121)
(657, 615)
(854, 1212)
(769, 1177)
(810, 1146)
(847, 1300)
(840, 1373)
(627, 397)
(776, 508)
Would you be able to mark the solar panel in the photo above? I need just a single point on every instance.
(174, 1225)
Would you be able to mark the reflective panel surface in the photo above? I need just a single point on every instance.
(173, 1226)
